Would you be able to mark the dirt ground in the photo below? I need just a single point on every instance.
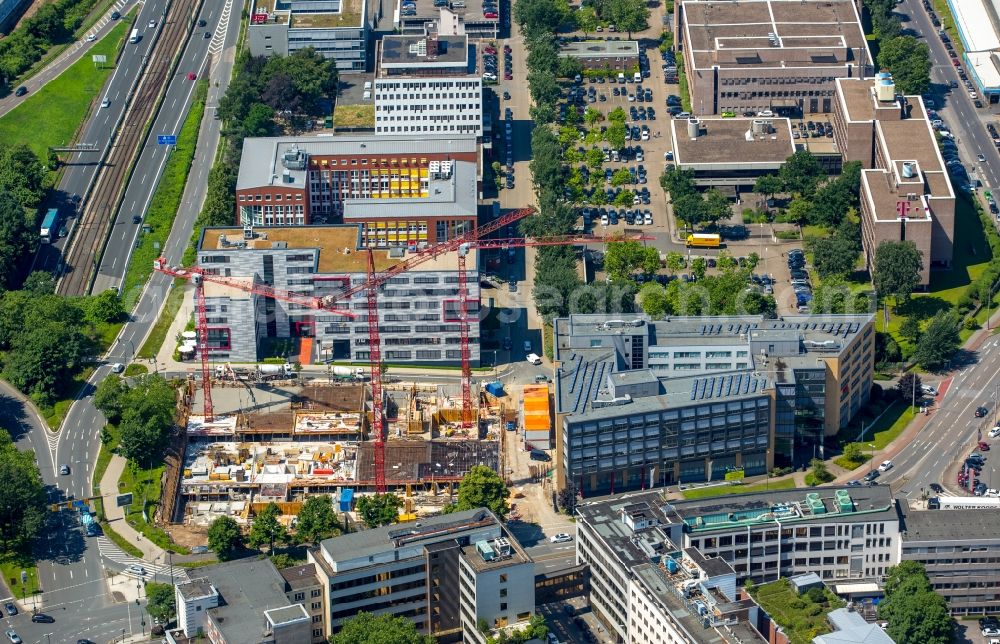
(187, 536)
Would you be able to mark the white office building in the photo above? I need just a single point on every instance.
(423, 86)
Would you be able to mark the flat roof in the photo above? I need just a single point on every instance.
(381, 540)
(261, 163)
(248, 588)
(350, 14)
(975, 20)
(731, 141)
(287, 614)
(472, 11)
(338, 247)
(402, 51)
(303, 576)
(454, 195)
(985, 65)
(949, 525)
(774, 34)
(600, 48)
(515, 557)
(195, 589)
(738, 511)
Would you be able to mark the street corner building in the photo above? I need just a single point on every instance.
(644, 403)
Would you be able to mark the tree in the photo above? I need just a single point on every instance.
(622, 259)
(147, 420)
(800, 173)
(629, 15)
(767, 185)
(854, 453)
(914, 611)
(621, 177)
(591, 116)
(22, 513)
(653, 300)
(624, 198)
(160, 601)
(675, 262)
(939, 341)
(110, 397)
(910, 329)
(617, 115)
(39, 283)
(587, 20)
(22, 176)
(379, 509)
(897, 269)
(909, 385)
(834, 256)
(909, 60)
(544, 87)
(717, 206)
(689, 208)
(225, 538)
(698, 267)
(595, 159)
(316, 519)
(266, 528)
(818, 473)
(481, 487)
(677, 183)
(615, 135)
(17, 237)
(366, 628)
(800, 210)
(105, 308)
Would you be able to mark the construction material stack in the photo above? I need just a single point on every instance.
(536, 418)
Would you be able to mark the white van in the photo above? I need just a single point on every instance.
(621, 78)
(134, 38)
(534, 359)
(637, 77)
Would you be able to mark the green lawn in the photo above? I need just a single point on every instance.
(61, 106)
(11, 565)
(55, 414)
(885, 430)
(104, 457)
(801, 617)
(158, 334)
(720, 490)
(166, 200)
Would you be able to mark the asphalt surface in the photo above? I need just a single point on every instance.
(70, 567)
(952, 431)
(81, 167)
(955, 106)
(153, 158)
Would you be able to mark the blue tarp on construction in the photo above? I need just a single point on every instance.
(346, 499)
(495, 388)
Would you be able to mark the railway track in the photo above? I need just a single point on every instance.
(90, 234)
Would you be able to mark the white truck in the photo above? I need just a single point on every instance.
(347, 373)
(275, 371)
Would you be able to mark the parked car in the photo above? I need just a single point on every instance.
(561, 537)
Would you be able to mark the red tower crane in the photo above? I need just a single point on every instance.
(375, 279)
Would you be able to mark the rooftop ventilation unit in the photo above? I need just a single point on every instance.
(909, 169)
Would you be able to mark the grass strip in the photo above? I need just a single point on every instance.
(11, 565)
(166, 201)
(63, 103)
(158, 334)
(722, 490)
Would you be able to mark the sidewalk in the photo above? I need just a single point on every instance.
(115, 516)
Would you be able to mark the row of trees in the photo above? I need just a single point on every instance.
(726, 293)
(266, 96)
(22, 186)
(46, 338)
(54, 23)
(23, 512)
(906, 57)
(316, 521)
(143, 413)
(914, 611)
(690, 206)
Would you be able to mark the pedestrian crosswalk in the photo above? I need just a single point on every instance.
(112, 552)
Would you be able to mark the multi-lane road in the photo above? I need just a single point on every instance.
(957, 109)
(71, 571)
(81, 167)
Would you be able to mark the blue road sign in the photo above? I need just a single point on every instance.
(79, 504)
(166, 139)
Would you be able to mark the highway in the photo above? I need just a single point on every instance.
(71, 570)
(81, 167)
(956, 107)
(154, 156)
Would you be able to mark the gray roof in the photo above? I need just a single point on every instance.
(195, 589)
(404, 51)
(380, 540)
(605, 518)
(303, 576)
(454, 196)
(600, 48)
(949, 525)
(261, 164)
(851, 628)
(287, 614)
(581, 388)
(737, 511)
(247, 587)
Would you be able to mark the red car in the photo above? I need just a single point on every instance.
(984, 446)
(956, 62)
(506, 49)
(489, 49)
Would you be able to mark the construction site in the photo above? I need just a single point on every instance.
(282, 440)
